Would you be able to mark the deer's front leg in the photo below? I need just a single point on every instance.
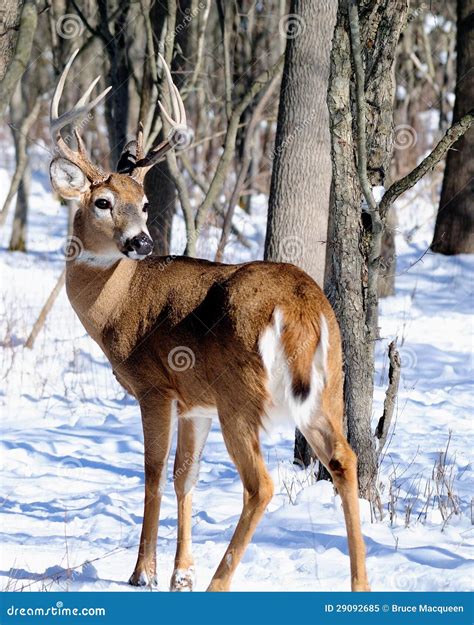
(156, 420)
(192, 436)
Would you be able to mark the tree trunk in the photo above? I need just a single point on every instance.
(10, 22)
(13, 64)
(117, 103)
(349, 226)
(18, 236)
(18, 109)
(301, 177)
(159, 185)
(454, 230)
(161, 194)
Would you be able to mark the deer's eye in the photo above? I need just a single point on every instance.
(145, 207)
(102, 203)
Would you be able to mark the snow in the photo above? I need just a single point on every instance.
(71, 450)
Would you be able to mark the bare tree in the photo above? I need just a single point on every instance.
(454, 231)
(360, 104)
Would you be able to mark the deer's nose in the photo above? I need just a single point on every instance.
(142, 244)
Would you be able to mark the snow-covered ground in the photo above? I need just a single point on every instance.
(71, 450)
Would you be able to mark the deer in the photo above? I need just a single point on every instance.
(191, 339)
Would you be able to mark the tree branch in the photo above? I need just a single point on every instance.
(224, 25)
(22, 156)
(226, 157)
(373, 208)
(434, 157)
(383, 425)
(249, 136)
(202, 23)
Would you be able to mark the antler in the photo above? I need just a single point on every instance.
(79, 110)
(132, 160)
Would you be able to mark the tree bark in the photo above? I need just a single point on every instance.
(301, 177)
(18, 236)
(351, 228)
(116, 46)
(18, 116)
(454, 230)
(159, 185)
(9, 25)
(15, 64)
(388, 258)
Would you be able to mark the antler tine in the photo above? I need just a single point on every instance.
(182, 112)
(177, 104)
(54, 114)
(83, 100)
(177, 121)
(78, 111)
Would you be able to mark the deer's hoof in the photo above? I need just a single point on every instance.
(141, 578)
(183, 580)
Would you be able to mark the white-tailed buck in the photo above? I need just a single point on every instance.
(183, 335)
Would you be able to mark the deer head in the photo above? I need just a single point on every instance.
(113, 205)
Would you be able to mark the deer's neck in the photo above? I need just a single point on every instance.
(97, 283)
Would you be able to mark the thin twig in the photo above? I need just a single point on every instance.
(22, 156)
(249, 136)
(383, 425)
(231, 134)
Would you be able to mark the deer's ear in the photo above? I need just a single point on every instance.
(68, 179)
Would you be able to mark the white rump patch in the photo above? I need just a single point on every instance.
(283, 405)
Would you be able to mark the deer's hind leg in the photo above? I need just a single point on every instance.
(241, 436)
(192, 436)
(331, 447)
